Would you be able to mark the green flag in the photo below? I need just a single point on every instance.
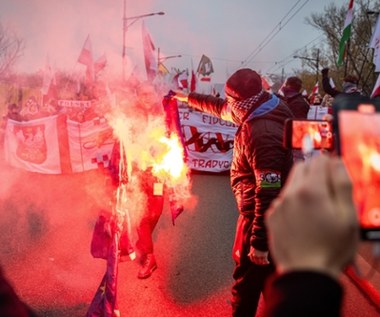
(346, 33)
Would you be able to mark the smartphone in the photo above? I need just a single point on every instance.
(319, 131)
(357, 125)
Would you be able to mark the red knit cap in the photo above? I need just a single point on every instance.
(243, 84)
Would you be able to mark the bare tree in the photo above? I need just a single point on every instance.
(11, 48)
(358, 59)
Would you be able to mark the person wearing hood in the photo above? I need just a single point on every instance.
(350, 85)
(259, 168)
(292, 95)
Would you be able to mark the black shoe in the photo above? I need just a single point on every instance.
(148, 266)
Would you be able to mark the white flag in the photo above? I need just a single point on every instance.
(90, 144)
(375, 44)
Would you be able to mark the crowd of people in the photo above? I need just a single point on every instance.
(274, 197)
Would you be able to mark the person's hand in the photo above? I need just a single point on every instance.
(325, 72)
(258, 257)
(180, 96)
(313, 224)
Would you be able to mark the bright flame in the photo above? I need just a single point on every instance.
(171, 163)
(374, 160)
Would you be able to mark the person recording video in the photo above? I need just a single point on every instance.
(324, 238)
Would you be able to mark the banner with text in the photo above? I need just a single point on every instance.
(209, 141)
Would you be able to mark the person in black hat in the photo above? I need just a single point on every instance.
(259, 169)
(293, 97)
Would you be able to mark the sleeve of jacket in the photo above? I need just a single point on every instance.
(302, 293)
(327, 87)
(207, 103)
(267, 158)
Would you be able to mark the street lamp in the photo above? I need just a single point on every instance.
(162, 59)
(127, 22)
(316, 60)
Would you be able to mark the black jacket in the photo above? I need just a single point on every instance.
(260, 163)
(328, 89)
(303, 293)
(298, 105)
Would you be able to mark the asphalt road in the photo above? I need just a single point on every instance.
(46, 228)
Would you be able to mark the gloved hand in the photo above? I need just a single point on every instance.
(325, 72)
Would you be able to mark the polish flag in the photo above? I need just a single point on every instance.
(100, 63)
(183, 80)
(85, 56)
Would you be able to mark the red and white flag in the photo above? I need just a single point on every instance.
(376, 88)
(183, 80)
(100, 63)
(266, 83)
(149, 53)
(85, 58)
(314, 93)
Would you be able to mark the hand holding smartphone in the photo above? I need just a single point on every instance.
(357, 128)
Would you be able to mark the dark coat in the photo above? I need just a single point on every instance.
(303, 293)
(298, 105)
(260, 163)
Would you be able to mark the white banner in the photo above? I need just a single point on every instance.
(33, 145)
(317, 112)
(90, 144)
(209, 141)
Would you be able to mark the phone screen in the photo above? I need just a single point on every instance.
(319, 131)
(359, 138)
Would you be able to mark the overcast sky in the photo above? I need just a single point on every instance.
(228, 31)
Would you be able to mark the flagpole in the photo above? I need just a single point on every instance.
(347, 53)
(126, 26)
(124, 31)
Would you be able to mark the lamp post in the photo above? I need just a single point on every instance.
(127, 22)
(316, 60)
(164, 58)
